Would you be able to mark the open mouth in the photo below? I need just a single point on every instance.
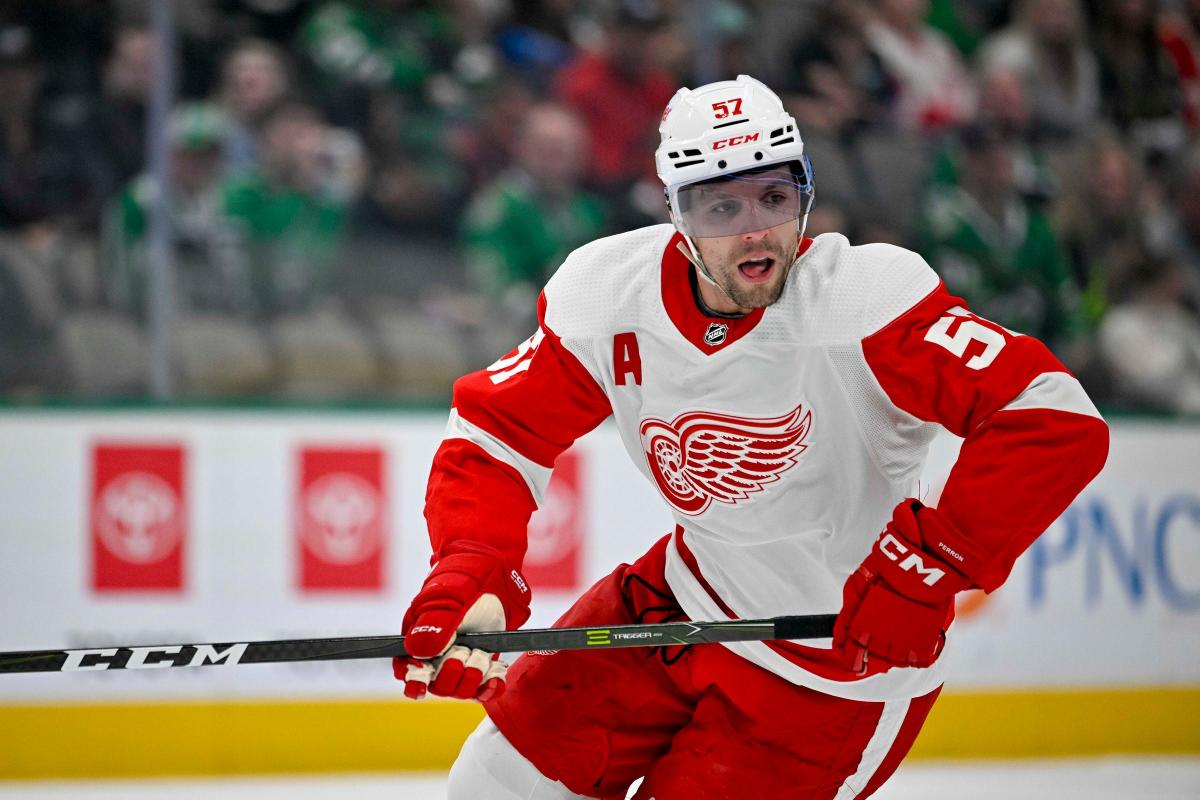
(757, 270)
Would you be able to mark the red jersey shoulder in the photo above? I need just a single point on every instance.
(942, 363)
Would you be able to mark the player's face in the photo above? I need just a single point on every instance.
(746, 229)
(750, 267)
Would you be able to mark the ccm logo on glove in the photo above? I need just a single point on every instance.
(891, 547)
(520, 582)
(897, 605)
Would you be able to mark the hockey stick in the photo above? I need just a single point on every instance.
(815, 626)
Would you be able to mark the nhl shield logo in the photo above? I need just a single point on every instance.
(715, 334)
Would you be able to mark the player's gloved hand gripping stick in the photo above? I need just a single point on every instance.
(470, 589)
(897, 605)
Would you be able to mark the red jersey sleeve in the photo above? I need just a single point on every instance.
(1032, 438)
(508, 424)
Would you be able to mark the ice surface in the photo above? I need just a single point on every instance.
(1082, 779)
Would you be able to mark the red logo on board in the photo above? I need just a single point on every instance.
(557, 529)
(138, 518)
(340, 518)
(700, 456)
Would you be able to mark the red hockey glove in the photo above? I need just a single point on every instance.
(897, 605)
(469, 589)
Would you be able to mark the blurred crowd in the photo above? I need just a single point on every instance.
(365, 196)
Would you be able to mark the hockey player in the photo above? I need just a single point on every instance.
(781, 392)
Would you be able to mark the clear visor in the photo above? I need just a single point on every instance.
(744, 202)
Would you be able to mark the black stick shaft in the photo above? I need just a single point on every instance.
(335, 649)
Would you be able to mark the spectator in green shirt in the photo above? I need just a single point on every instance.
(209, 265)
(995, 248)
(519, 228)
(291, 209)
(396, 71)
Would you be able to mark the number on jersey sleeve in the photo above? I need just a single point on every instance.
(518, 360)
(966, 330)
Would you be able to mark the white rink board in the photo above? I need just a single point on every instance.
(1109, 596)
(239, 567)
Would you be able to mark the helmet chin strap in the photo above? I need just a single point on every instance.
(693, 255)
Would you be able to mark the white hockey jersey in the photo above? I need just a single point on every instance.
(781, 440)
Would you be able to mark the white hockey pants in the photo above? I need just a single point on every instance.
(489, 768)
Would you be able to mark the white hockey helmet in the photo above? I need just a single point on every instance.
(722, 129)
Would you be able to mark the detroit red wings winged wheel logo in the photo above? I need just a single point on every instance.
(702, 456)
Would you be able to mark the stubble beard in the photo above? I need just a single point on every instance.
(759, 296)
(762, 295)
